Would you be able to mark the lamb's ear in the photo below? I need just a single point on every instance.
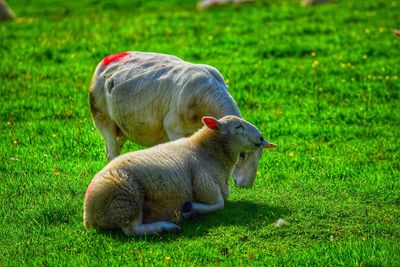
(212, 123)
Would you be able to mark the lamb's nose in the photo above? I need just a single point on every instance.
(261, 139)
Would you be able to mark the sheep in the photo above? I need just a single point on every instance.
(149, 191)
(151, 98)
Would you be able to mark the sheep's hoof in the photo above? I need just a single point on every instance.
(187, 207)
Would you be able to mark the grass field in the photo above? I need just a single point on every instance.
(322, 82)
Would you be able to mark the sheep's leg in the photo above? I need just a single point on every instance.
(113, 137)
(120, 142)
(139, 228)
(110, 136)
(191, 208)
(103, 122)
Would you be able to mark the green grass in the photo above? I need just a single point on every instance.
(334, 177)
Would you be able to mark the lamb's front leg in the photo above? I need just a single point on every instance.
(207, 195)
(201, 208)
(208, 199)
(191, 209)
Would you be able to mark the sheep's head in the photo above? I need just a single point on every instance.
(246, 141)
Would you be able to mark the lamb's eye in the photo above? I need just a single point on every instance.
(240, 126)
(241, 155)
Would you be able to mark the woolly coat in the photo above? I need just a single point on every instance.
(155, 183)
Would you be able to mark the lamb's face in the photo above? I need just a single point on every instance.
(246, 137)
(249, 142)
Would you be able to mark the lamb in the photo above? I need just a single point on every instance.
(149, 191)
(151, 98)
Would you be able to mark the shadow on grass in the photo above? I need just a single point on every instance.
(236, 213)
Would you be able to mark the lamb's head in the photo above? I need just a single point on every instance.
(246, 141)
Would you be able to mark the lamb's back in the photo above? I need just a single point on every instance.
(164, 174)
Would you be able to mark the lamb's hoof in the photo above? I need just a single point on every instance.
(176, 230)
(194, 217)
(186, 215)
(187, 207)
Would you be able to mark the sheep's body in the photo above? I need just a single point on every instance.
(151, 98)
(144, 191)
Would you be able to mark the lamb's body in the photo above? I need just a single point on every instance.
(145, 191)
(155, 183)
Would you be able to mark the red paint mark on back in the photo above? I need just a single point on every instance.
(116, 57)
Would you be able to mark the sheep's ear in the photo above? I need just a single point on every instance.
(212, 123)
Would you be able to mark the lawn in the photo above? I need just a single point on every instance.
(322, 82)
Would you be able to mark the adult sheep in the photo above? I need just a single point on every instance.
(151, 98)
(145, 191)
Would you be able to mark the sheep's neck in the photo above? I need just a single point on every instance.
(225, 110)
(219, 107)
